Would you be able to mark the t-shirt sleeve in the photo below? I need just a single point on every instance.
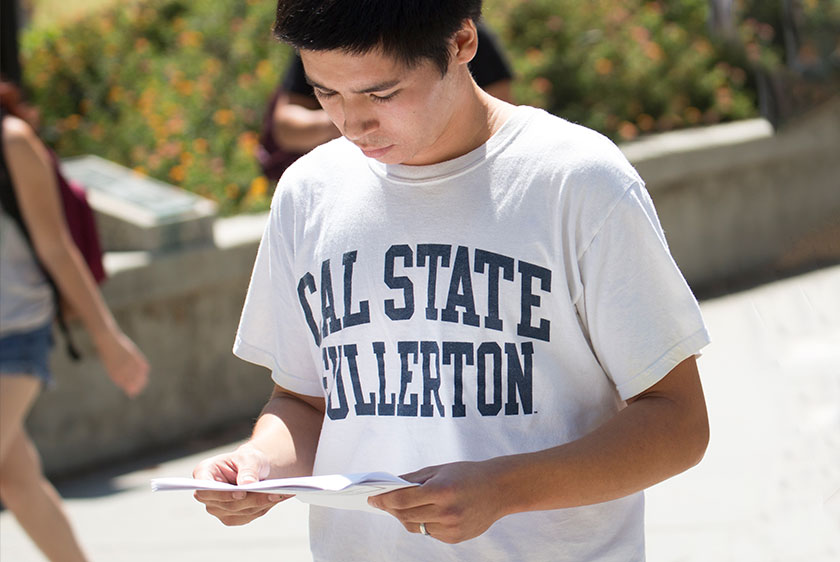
(641, 316)
(489, 65)
(272, 329)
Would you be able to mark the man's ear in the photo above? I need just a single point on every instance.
(466, 42)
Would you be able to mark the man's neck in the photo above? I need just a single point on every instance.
(478, 117)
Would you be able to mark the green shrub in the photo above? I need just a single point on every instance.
(173, 88)
(793, 47)
(630, 67)
(623, 67)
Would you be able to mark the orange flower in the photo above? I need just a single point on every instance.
(654, 52)
(692, 115)
(655, 7)
(248, 141)
(178, 173)
(223, 117)
(258, 188)
(114, 94)
(190, 38)
(212, 66)
(184, 87)
(554, 23)
(645, 122)
(640, 34)
(200, 145)
(264, 70)
(724, 98)
(534, 56)
(97, 131)
(628, 130)
(72, 122)
(603, 66)
(541, 84)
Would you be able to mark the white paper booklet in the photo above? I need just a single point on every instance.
(342, 491)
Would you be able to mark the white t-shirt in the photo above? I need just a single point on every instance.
(503, 302)
(26, 300)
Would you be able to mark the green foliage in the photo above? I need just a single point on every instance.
(173, 88)
(623, 67)
(629, 67)
(801, 33)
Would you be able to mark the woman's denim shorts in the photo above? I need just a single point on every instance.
(27, 353)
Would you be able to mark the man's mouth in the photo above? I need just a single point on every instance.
(376, 152)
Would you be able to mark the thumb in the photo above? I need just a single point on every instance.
(419, 476)
(251, 468)
(247, 475)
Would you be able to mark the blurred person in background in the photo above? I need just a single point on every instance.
(27, 311)
(295, 123)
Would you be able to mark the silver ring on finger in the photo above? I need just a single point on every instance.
(423, 530)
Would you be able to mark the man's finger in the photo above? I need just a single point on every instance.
(213, 496)
(246, 476)
(229, 500)
(232, 520)
(405, 498)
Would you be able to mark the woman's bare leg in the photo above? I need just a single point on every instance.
(23, 488)
(17, 394)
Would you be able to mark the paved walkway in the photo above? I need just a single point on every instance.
(768, 489)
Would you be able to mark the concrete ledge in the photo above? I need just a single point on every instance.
(673, 156)
(737, 200)
(136, 212)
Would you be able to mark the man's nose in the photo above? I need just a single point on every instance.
(358, 120)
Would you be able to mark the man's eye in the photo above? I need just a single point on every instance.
(383, 99)
(323, 94)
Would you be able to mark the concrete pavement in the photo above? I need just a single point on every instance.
(768, 489)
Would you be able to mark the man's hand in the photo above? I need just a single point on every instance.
(662, 431)
(456, 501)
(243, 466)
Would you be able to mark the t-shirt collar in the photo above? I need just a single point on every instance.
(401, 173)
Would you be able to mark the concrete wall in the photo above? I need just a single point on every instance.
(733, 199)
(737, 200)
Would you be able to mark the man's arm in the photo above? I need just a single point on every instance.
(299, 124)
(662, 432)
(283, 444)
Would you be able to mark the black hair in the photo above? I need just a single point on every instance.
(408, 30)
(9, 62)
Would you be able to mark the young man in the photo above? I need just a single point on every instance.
(295, 123)
(473, 295)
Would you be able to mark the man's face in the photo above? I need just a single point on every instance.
(394, 114)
